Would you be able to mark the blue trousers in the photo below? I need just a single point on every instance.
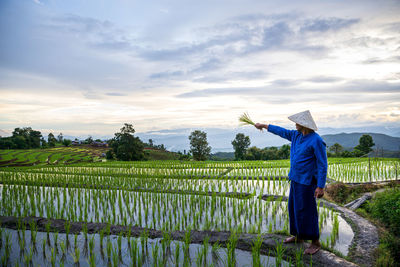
(303, 215)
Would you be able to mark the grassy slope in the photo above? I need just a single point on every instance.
(75, 154)
(26, 157)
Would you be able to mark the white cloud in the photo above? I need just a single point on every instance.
(169, 67)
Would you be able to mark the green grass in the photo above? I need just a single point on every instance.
(384, 210)
(154, 154)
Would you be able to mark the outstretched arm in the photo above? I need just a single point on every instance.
(282, 132)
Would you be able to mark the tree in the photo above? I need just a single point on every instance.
(60, 138)
(43, 143)
(240, 145)
(109, 154)
(336, 148)
(365, 144)
(51, 140)
(253, 153)
(125, 146)
(151, 144)
(22, 138)
(34, 137)
(20, 142)
(26, 135)
(66, 142)
(199, 145)
(89, 140)
(269, 153)
(284, 152)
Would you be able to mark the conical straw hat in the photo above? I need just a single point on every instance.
(304, 119)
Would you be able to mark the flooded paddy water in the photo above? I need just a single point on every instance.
(154, 196)
(114, 250)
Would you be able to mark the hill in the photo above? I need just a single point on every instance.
(57, 155)
(222, 156)
(156, 154)
(350, 140)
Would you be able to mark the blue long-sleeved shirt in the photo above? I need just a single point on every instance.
(307, 156)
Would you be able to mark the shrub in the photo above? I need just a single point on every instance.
(386, 208)
(339, 192)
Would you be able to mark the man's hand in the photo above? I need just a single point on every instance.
(319, 192)
(261, 126)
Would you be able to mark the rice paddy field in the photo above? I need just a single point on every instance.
(56, 155)
(150, 213)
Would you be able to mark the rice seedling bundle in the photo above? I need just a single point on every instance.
(245, 119)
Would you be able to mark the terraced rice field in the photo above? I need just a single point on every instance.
(58, 155)
(160, 213)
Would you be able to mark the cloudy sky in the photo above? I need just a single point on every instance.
(86, 67)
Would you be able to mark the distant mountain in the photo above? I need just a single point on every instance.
(350, 140)
(4, 133)
(223, 156)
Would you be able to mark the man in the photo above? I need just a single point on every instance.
(307, 175)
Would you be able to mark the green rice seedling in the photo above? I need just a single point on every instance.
(76, 255)
(279, 251)
(101, 238)
(231, 246)
(109, 248)
(299, 257)
(200, 258)
(144, 239)
(44, 247)
(177, 253)
(154, 253)
(56, 241)
(133, 251)
(63, 249)
(75, 241)
(7, 246)
(85, 231)
(47, 226)
(128, 233)
(4, 260)
(67, 226)
(92, 259)
(91, 244)
(33, 232)
(166, 247)
(21, 242)
(255, 251)
(206, 247)
(119, 243)
(53, 257)
(28, 257)
(115, 257)
(215, 257)
(186, 255)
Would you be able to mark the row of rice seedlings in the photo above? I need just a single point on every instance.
(257, 186)
(167, 212)
(342, 170)
(126, 250)
(192, 164)
(132, 171)
(259, 171)
(365, 171)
